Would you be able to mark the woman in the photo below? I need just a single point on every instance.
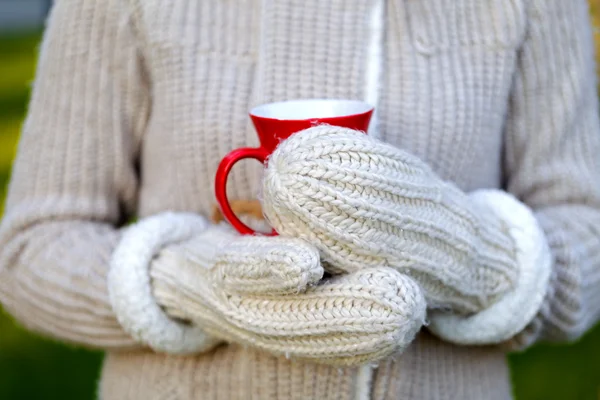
(134, 105)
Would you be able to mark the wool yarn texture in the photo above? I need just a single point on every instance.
(364, 204)
(266, 292)
(136, 102)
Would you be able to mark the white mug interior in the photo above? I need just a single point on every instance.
(311, 108)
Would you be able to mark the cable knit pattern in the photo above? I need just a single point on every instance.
(490, 94)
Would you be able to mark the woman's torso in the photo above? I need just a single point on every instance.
(446, 69)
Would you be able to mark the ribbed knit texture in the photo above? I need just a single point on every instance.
(218, 282)
(365, 203)
(488, 93)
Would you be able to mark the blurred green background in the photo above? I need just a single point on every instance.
(32, 367)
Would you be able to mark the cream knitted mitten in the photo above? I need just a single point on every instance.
(265, 292)
(364, 203)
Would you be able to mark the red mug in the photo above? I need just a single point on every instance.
(275, 122)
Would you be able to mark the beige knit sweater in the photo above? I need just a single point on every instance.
(136, 101)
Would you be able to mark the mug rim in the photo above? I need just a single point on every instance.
(356, 108)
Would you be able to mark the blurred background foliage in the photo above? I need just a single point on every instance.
(32, 367)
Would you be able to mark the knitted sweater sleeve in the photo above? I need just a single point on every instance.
(552, 162)
(74, 178)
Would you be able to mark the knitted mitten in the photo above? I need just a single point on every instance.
(257, 291)
(364, 203)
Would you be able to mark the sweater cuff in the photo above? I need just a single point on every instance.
(517, 308)
(130, 290)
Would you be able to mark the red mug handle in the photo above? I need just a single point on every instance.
(221, 185)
